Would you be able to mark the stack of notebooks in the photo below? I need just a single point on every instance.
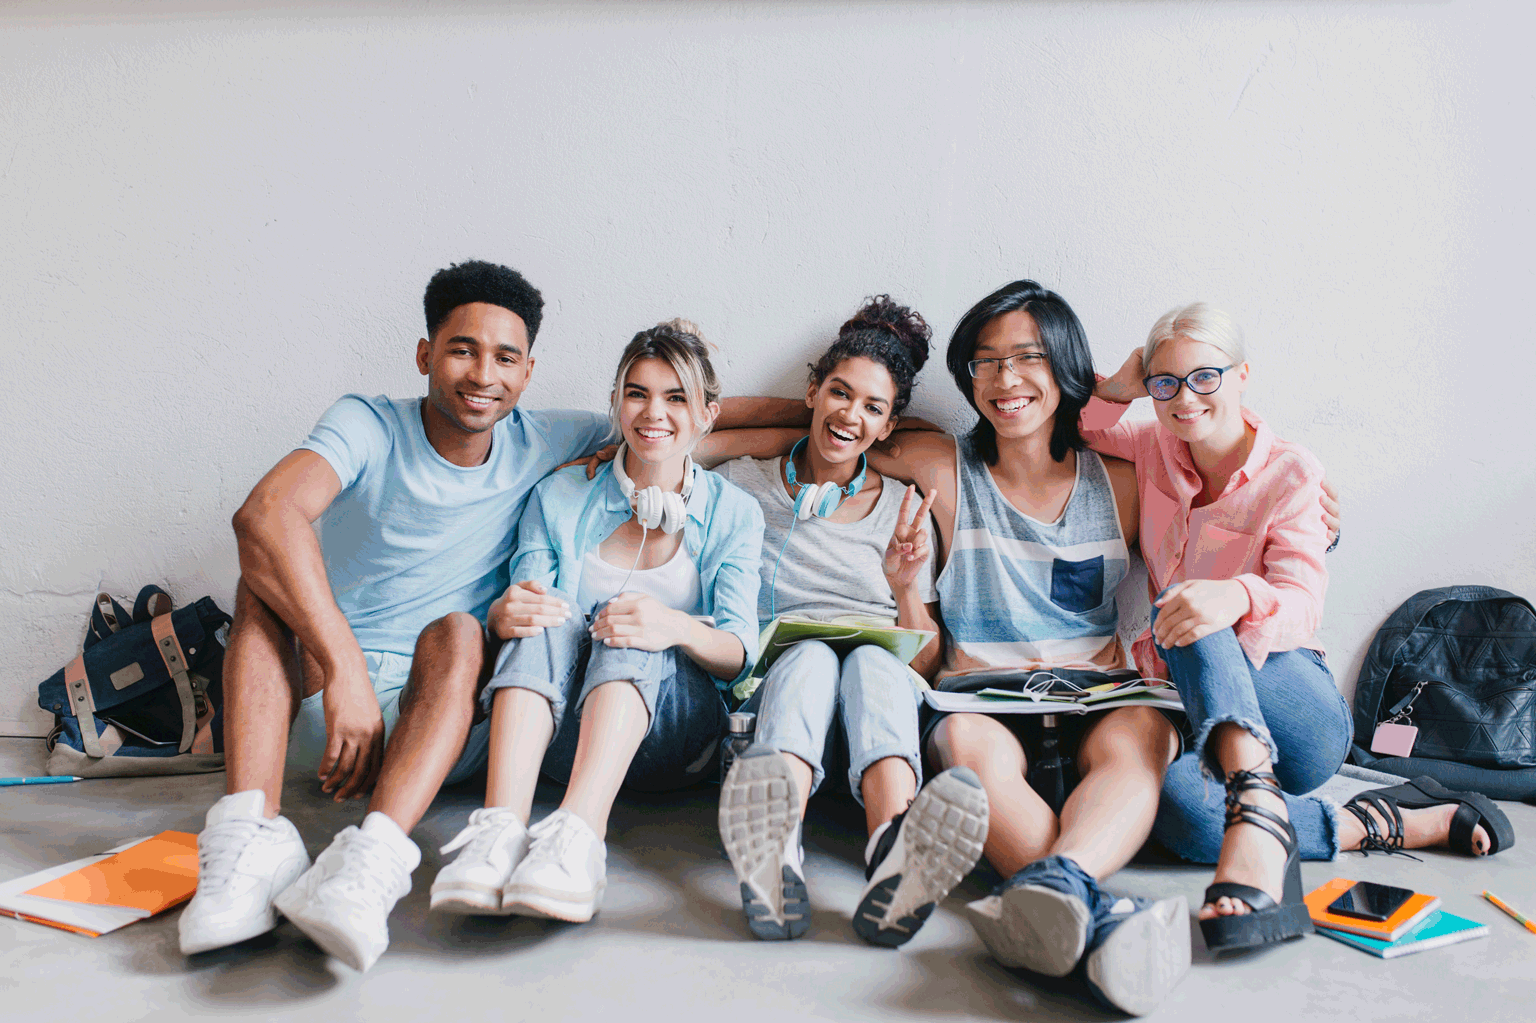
(98, 894)
(1418, 924)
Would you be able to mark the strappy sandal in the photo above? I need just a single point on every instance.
(1424, 792)
(1267, 921)
(1386, 807)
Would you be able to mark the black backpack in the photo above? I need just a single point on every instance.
(1459, 663)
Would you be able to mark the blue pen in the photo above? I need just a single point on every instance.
(53, 779)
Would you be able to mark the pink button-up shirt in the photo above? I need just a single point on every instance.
(1265, 530)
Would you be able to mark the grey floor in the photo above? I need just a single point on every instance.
(670, 943)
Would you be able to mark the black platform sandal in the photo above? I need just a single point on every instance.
(1268, 921)
(1473, 809)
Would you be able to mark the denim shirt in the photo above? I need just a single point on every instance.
(569, 515)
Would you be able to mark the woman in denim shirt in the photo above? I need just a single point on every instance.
(621, 638)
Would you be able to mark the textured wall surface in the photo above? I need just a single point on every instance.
(219, 217)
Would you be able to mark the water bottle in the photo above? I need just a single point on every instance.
(743, 725)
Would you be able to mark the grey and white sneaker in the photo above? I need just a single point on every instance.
(564, 873)
(760, 827)
(243, 862)
(920, 855)
(343, 902)
(1052, 915)
(493, 844)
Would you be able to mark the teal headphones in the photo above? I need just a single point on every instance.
(819, 499)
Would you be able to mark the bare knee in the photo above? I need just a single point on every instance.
(449, 655)
(981, 743)
(1128, 739)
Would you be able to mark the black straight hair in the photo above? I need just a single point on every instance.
(1066, 353)
(475, 280)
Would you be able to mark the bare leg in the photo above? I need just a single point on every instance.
(1021, 827)
(887, 786)
(436, 711)
(1109, 814)
(613, 724)
(803, 775)
(263, 685)
(522, 727)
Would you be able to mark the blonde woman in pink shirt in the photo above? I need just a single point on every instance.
(1235, 558)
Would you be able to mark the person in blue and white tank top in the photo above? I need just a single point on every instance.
(1035, 530)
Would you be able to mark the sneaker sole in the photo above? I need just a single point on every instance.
(942, 838)
(207, 942)
(546, 905)
(759, 807)
(1035, 928)
(467, 900)
(1144, 958)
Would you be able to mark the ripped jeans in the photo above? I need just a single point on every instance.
(1291, 704)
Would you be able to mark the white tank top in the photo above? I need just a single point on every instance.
(676, 583)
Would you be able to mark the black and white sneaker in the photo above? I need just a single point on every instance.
(760, 826)
(920, 856)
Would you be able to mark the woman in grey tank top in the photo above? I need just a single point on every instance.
(1034, 531)
(855, 551)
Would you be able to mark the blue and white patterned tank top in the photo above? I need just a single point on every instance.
(1015, 591)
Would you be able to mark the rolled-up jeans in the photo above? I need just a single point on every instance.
(869, 692)
(562, 664)
(1292, 705)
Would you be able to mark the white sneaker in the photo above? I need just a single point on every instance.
(243, 861)
(342, 903)
(760, 828)
(494, 843)
(922, 853)
(564, 873)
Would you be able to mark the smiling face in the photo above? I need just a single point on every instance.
(476, 365)
(1018, 399)
(851, 409)
(1192, 417)
(655, 415)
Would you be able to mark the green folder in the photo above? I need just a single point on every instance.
(841, 634)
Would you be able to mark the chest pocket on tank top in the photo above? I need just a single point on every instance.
(1077, 586)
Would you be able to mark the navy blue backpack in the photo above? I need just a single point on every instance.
(144, 697)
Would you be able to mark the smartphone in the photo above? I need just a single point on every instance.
(1370, 901)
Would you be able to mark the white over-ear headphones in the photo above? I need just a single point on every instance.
(819, 499)
(653, 506)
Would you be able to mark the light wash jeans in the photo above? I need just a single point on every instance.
(562, 664)
(870, 692)
(1291, 704)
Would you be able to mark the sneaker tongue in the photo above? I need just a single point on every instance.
(382, 827)
(238, 804)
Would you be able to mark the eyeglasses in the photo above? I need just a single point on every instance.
(1205, 380)
(986, 369)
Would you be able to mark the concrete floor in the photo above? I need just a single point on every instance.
(670, 942)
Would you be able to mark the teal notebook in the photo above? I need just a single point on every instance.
(1440, 928)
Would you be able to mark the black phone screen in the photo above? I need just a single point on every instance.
(1370, 901)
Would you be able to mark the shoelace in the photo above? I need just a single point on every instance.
(479, 838)
(217, 859)
(368, 863)
(550, 844)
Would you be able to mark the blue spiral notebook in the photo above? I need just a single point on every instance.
(1440, 928)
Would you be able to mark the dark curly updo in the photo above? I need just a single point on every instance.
(886, 332)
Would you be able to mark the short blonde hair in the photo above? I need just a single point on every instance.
(1196, 322)
(680, 344)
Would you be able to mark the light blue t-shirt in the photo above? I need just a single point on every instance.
(413, 537)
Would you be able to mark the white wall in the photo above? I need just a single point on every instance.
(217, 218)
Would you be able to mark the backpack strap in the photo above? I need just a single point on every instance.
(176, 664)
(83, 705)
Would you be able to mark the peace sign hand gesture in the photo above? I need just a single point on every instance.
(908, 549)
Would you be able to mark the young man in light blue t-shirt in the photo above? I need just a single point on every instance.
(328, 665)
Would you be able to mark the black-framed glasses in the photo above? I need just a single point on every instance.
(1205, 380)
(986, 369)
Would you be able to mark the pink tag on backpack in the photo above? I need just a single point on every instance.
(1394, 740)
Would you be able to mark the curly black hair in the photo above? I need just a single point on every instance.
(886, 332)
(475, 280)
(1066, 352)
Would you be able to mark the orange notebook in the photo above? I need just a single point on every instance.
(1393, 927)
(104, 894)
